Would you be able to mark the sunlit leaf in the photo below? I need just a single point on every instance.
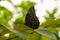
(6, 15)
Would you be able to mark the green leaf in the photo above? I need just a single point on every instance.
(2, 38)
(23, 28)
(21, 35)
(5, 14)
(46, 33)
(3, 30)
(25, 5)
(13, 36)
(45, 38)
(9, 0)
(16, 38)
(51, 16)
(58, 28)
(58, 21)
(48, 23)
(52, 29)
(57, 36)
(20, 20)
(54, 11)
(33, 36)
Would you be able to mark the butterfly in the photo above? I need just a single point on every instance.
(31, 19)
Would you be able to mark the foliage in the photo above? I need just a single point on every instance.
(46, 31)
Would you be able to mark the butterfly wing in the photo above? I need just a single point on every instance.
(31, 19)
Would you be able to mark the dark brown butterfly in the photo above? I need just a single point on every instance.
(31, 19)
